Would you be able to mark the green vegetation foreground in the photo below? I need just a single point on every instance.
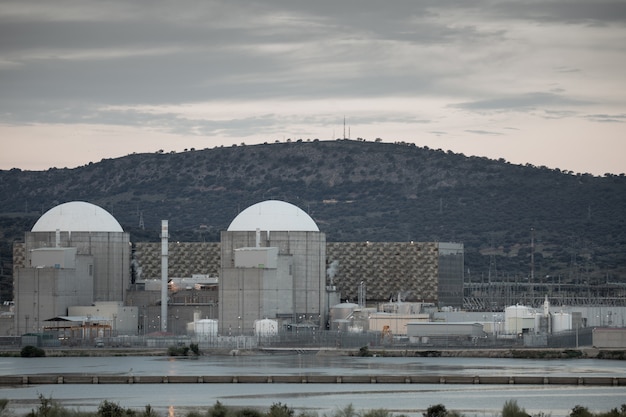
(50, 408)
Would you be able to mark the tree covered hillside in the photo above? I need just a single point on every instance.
(355, 191)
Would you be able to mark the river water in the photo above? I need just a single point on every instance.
(323, 399)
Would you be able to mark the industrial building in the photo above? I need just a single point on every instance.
(75, 254)
(273, 263)
(77, 275)
(273, 266)
(420, 271)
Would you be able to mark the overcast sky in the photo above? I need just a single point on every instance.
(540, 82)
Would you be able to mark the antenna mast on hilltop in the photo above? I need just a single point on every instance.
(344, 127)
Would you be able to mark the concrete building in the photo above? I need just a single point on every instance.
(123, 319)
(273, 266)
(429, 272)
(75, 254)
(609, 338)
(423, 332)
(419, 271)
(272, 262)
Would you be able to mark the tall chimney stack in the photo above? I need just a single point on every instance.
(164, 253)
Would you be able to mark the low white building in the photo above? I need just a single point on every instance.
(421, 332)
(519, 319)
(124, 319)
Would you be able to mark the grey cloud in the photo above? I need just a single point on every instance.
(72, 59)
(558, 114)
(521, 102)
(568, 11)
(156, 52)
(565, 70)
(607, 118)
(483, 132)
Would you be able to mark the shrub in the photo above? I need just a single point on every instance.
(149, 412)
(614, 412)
(111, 409)
(47, 408)
(580, 411)
(178, 350)
(249, 412)
(438, 410)
(32, 352)
(347, 411)
(218, 410)
(280, 410)
(364, 351)
(379, 412)
(307, 414)
(511, 409)
(572, 353)
(3, 407)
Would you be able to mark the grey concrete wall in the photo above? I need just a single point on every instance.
(293, 292)
(609, 338)
(110, 252)
(386, 267)
(43, 293)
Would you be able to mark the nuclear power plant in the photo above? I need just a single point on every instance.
(80, 280)
(273, 266)
(76, 254)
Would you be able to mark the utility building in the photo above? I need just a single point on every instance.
(273, 266)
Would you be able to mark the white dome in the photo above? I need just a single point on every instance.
(273, 215)
(77, 216)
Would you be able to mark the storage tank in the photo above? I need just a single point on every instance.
(205, 328)
(339, 314)
(265, 327)
(519, 319)
(342, 311)
(561, 322)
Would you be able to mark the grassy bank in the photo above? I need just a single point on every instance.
(50, 408)
(521, 353)
(528, 353)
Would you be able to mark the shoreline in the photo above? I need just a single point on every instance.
(520, 353)
(96, 379)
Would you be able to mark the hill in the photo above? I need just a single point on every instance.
(574, 224)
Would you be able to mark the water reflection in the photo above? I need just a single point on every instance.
(176, 400)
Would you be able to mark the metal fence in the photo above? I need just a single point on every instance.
(315, 339)
(347, 340)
